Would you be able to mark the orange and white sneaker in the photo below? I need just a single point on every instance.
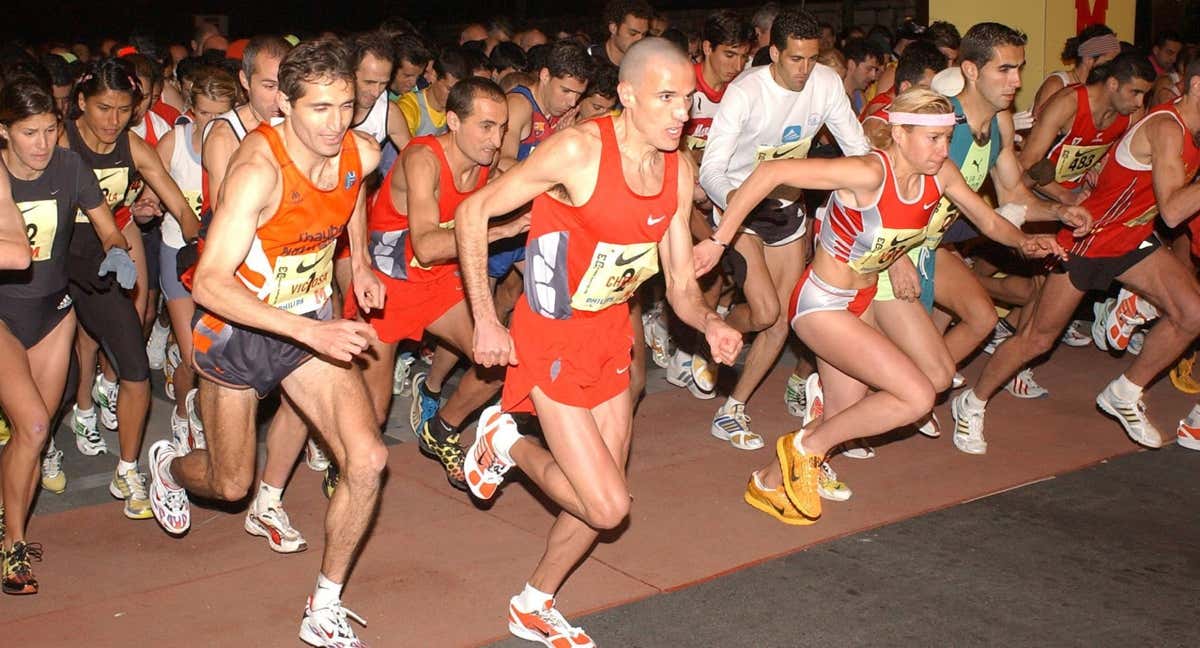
(773, 502)
(483, 465)
(801, 474)
(546, 626)
(1123, 318)
(1188, 433)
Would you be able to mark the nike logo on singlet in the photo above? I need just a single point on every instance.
(931, 205)
(26, 211)
(623, 260)
(652, 221)
(305, 269)
(107, 176)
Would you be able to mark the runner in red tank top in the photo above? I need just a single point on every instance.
(415, 257)
(264, 280)
(610, 197)
(1146, 175)
(1077, 126)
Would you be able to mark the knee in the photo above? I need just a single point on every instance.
(918, 399)
(764, 314)
(941, 375)
(609, 513)
(982, 319)
(365, 463)
(1187, 315)
(35, 431)
(1036, 342)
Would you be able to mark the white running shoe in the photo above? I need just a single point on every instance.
(660, 342)
(703, 384)
(168, 502)
(172, 362)
(858, 449)
(932, 427)
(404, 365)
(1000, 333)
(794, 396)
(53, 477)
(679, 368)
(104, 400)
(181, 433)
(483, 466)
(328, 627)
(830, 487)
(1132, 416)
(156, 346)
(314, 456)
(968, 426)
(1100, 312)
(814, 399)
(1024, 386)
(197, 440)
(957, 381)
(546, 626)
(732, 424)
(87, 436)
(1074, 336)
(274, 525)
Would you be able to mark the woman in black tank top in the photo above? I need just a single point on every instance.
(37, 323)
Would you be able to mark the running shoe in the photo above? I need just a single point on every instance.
(484, 467)
(104, 395)
(87, 436)
(1188, 433)
(274, 525)
(968, 426)
(5, 430)
(1181, 375)
(329, 627)
(156, 346)
(1132, 416)
(400, 376)
(546, 626)
(53, 477)
(774, 503)
(1074, 336)
(131, 487)
(858, 449)
(1136, 342)
(830, 487)
(196, 425)
(957, 381)
(659, 339)
(17, 569)
(793, 396)
(1002, 331)
(801, 475)
(173, 361)
(447, 452)
(703, 384)
(424, 406)
(168, 502)
(314, 456)
(932, 427)
(426, 354)
(814, 404)
(1122, 319)
(1100, 311)
(3, 529)
(1024, 386)
(732, 424)
(330, 481)
(181, 433)
(679, 368)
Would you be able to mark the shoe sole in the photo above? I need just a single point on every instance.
(700, 393)
(314, 638)
(682, 383)
(56, 491)
(770, 510)
(1026, 396)
(1108, 409)
(781, 454)
(859, 453)
(255, 528)
(834, 496)
(129, 513)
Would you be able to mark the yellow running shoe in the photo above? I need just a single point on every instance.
(53, 477)
(5, 430)
(1181, 375)
(774, 503)
(131, 487)
(800, 475)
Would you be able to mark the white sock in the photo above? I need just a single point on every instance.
(758, 482)
(125, 466)
(531, 599)
(973, 402)
(268, 496)
(85, 413)
(327, 593)
(1125, 390)
(504, 439)
(797, 438)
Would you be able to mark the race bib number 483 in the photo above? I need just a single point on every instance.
(614, 273)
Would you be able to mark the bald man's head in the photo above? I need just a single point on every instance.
(650, 53)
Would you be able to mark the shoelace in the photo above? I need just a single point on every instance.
(827, 470)
(553, 618)
(340, 614)
(738, 413)
(23, 553)
(52, 462)
(136, 483)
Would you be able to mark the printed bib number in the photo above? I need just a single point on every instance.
(1075, 161)
(114, 184)
(614, 273)
(41, 225)
(889, 246)
(301, 281)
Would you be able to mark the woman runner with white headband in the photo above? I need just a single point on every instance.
(878, 211)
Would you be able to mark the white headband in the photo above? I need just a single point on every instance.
(921, 119)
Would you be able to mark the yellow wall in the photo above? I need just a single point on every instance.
(1048, 23)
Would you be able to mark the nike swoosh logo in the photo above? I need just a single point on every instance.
(107, 176)
(932, 204)
(304, 269)
(54, 193)
(652, 221)
(622, 260)
(621, 371)
(26, 211)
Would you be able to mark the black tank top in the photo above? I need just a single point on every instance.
(120, 183)
(48, 205)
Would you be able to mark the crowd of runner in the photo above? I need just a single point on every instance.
(335, 220)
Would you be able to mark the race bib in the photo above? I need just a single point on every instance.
(114, 184)
(194, 200)
(614, 273)
(890, 245)
(797, 150)
(302, 281)
(41, 225)
(1075, 161)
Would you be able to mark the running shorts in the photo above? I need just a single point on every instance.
(813, 295)
(775, 224)
(504, 254)
(109, 316)
(409, 307)
(1098, 273)
(30, 319)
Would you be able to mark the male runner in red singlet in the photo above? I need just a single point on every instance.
(415, 257)
(1146, 175)
(610, 197)
(264, 284)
